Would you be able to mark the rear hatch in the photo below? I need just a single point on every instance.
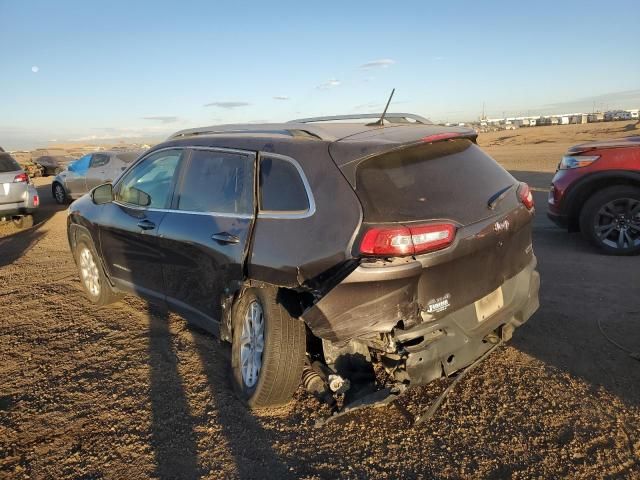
(461, 213)
(13, 181)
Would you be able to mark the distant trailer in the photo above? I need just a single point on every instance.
(554, 121)
(595, 117)
(563, 120)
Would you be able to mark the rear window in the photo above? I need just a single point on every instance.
(281, 188)
(446, 180)
(8, 164)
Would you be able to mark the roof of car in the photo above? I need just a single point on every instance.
(330, 128)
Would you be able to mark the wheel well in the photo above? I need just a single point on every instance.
(586, 190)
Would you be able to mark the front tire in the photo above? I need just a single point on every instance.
(92, 277)
(268, 350)
(59, 195)
(610, 220)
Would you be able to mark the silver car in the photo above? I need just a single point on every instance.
(18, 197)
(90, 171)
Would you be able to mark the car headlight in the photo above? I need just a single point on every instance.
(578, 161)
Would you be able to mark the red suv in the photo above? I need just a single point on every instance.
(596, 190)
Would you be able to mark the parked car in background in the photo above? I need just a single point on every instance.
(90, 171)
(53, 165)
(401, 244)
(18, 197)
(596, 190)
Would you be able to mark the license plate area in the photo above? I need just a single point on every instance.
(489, 305)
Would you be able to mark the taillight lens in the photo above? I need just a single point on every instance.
(22, 177)
(36, 200)
(525, 195)
(407, 240)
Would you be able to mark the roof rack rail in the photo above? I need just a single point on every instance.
(281, 129)
(390, 117)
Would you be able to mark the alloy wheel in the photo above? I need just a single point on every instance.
(59, 194)
(89, 272)
(252, 344)
(617, 223)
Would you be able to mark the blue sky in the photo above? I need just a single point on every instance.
(75, 70)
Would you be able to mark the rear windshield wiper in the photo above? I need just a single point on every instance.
(498, 196)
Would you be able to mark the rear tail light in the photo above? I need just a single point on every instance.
(525, 195)
(411, 240)
(36, 200)
(20, 178)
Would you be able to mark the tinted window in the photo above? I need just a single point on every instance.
(444, 180)
(128, 157)
(281, 188)
(99, 160)
(149, 183)
(8, 164)
(217, 182)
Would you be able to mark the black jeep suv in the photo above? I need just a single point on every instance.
(399, 243)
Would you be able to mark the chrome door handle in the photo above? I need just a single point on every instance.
(224, 237)
(146, 225)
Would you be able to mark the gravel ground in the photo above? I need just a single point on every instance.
(131, 392)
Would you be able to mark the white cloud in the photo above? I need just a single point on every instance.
(329, 84)
(281, 97)
(35, 69)
(227, 105)
(162, 118)
(381, 63)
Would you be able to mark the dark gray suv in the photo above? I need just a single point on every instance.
(340, 245)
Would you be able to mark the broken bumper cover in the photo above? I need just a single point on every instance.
(456, 340)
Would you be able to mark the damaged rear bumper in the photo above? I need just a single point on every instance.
(441, 347)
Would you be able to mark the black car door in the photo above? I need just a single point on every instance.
(206, 233)
(129, 225)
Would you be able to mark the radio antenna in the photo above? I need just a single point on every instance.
(380, 121)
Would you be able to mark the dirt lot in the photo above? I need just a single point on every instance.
(129, 392)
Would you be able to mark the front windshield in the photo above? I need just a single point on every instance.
(80, 166)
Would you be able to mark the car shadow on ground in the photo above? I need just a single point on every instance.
(12, 247)
(582, 292)
(175, 429)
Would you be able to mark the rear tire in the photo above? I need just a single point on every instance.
(610, 220)
(268, 353)
(26, 221)
(59, 195)
(94, 281)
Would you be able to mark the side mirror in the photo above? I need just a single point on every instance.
(102, 194)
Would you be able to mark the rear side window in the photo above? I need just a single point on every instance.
(217, 182)
(281, 187)
(8, 164)
(99, 160)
